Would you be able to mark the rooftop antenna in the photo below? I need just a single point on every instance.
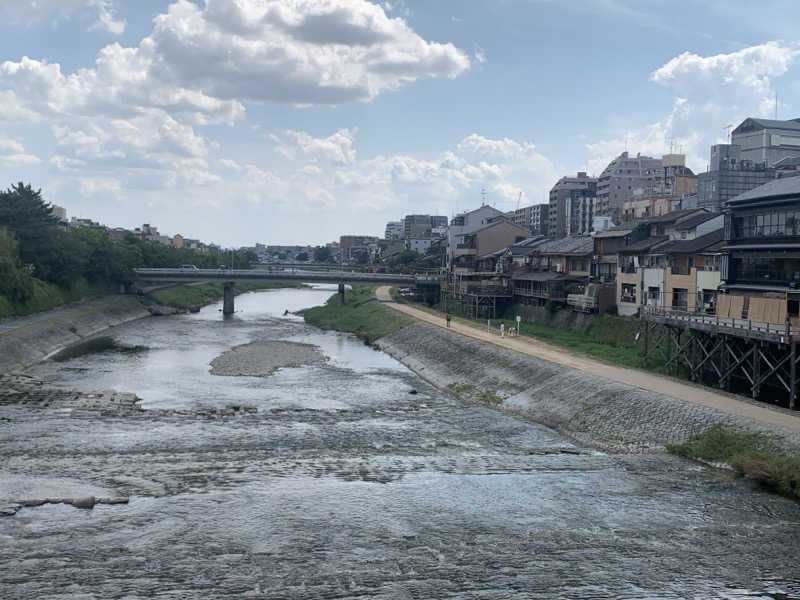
(776, 106)
(728, 128)
(483, 196)
(519, 198)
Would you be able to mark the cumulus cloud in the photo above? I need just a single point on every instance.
(31, 11)
(400, 182)
(303, 52)
(12, 154)
(138, 109)
(710, 93)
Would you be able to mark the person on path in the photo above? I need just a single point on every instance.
(448, 319)
(502, 330)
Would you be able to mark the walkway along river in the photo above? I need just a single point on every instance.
(332, 479)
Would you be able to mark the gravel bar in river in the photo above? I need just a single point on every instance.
(262, 358)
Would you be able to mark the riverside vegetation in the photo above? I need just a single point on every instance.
(43, 265)
(750, 455)
(361, 314)
(195, 296)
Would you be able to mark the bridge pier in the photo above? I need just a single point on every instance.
(227, 298)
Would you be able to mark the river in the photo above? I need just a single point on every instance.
(344, 483)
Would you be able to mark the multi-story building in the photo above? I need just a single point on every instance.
(767, 141)
(394, 230)
(357, 248)
(468, 222)
(571, 207)
(728, 176)
(523, 216)
(419, 245)
(415, 226)
(540, 219)
(496, 234)
(623, 176)
(761, 268)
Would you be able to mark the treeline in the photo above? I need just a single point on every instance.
(43, 264)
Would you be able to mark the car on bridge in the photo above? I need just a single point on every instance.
(188, 268)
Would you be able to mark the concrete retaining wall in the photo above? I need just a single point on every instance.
(28, 340)
(593, 410)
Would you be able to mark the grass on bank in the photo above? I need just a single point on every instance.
(607, 337)
(195, 296)
(47, 296)
(360, 314)
(750, 455)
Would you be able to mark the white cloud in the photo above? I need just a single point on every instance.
(303, 52)
(12, 154)
(31, 11)
(505, 167)
(105, 18)
(710, 93)
(336, 148)
(137, 110)
(480, 55)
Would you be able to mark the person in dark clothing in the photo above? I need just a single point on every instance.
(448, 319)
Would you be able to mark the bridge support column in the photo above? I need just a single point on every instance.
(341, 293)
(227, 298)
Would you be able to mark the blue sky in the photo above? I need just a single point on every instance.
(291, 121)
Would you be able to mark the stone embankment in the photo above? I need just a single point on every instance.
(595, 411)
(27, 340)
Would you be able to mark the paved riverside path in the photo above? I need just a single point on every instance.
(637, 378)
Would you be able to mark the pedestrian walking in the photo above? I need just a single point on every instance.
(502, 330)
(448, 319)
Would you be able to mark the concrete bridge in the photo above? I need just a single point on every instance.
(230, 276)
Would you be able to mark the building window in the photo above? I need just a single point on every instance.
(628, 293)
(653, 296)
(680, 299)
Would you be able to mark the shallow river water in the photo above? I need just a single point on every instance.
(343, 484)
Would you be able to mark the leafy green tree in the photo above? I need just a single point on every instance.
(301, 256)
(322, 254)
(16, 283)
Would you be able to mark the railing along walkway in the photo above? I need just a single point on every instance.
(727, 325)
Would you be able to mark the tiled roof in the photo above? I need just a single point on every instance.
(692, 246)
(643, 245)
(695, 220)
(615, 232)
(568, 245)
(538, 276)
(785, 186)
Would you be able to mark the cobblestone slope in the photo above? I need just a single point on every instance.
(591, 409)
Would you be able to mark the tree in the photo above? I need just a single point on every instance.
(29, 218)
(322, 254)
(15, 282)
(301, 256)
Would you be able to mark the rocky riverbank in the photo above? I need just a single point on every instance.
(593, 410)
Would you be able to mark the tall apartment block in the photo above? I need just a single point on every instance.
(621, 178)
(729, 175)
(572, 206)
(417, 226)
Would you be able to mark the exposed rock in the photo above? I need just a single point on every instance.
(9, 510)
(87, 502)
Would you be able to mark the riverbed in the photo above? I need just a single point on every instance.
(351, 478)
